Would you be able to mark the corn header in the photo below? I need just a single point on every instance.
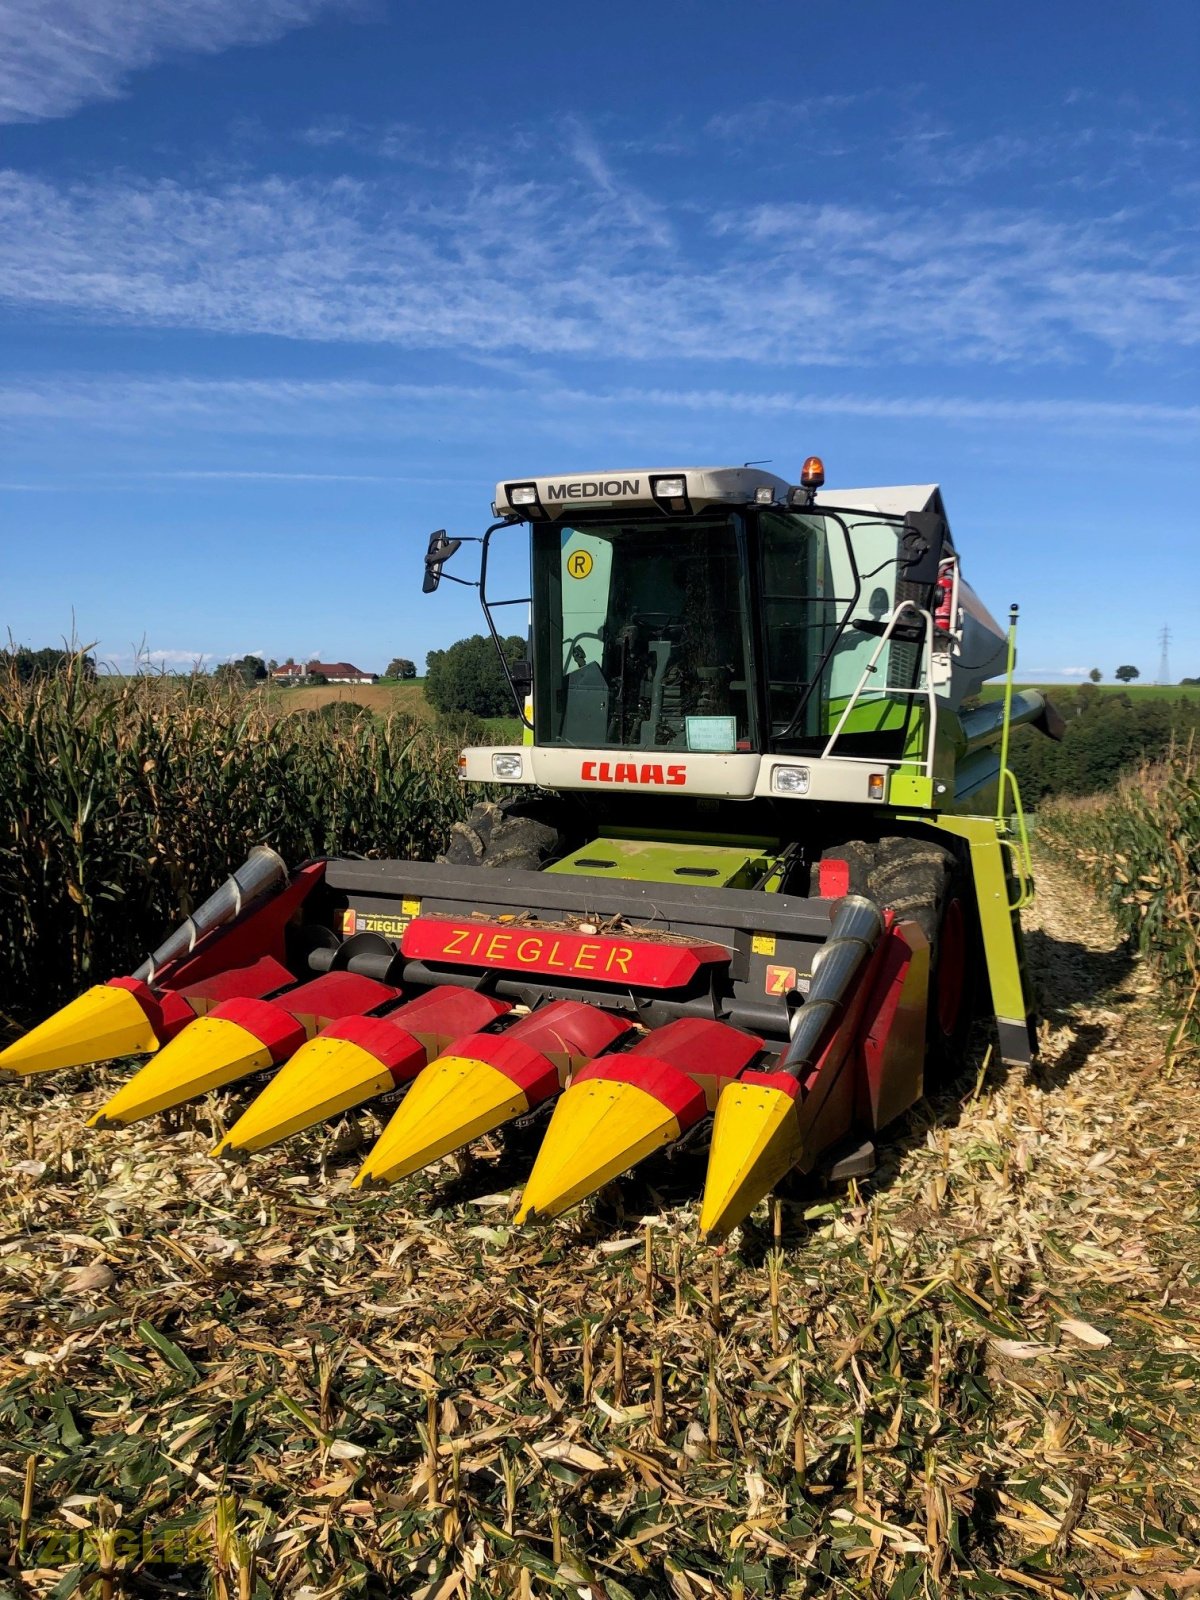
(752, 875)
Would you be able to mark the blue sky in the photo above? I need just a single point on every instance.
(278, 296)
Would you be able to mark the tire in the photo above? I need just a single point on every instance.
(521, 832)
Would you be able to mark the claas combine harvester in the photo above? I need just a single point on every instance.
(753, 870)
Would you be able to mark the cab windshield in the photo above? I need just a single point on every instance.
(723, 633)
(642, 636)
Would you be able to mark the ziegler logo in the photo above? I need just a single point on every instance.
(594, 489)
(630, 772)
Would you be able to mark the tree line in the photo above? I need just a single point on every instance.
(1107, 733)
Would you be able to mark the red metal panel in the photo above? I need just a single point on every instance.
(701, 1045)
(337, 994)
(773, 1080)
(531, 1071)
(403, 1040)
(681, 1095)
(260, 932)
(284, 1023)
(270, 1024)
(640, 963)
(569, 1027)
(261, 977)
(833, 879)
(893, 1045)
(396, 1050)
(537, 1052)
(681, 1064)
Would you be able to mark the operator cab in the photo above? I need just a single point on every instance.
(724, 614)
(718, 610)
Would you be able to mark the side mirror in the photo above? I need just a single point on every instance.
(521, 673)
(440, 550)
(921, 545)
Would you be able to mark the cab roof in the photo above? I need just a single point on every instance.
(654, 488)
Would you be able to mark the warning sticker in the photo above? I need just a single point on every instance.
(780, 980)
(391, 927)
(763, 944)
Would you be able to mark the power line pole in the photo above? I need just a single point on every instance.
(1164, 660)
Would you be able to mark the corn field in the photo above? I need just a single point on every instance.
(122, 802)
(1140, 847)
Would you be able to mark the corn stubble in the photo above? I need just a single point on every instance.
(979, 1375)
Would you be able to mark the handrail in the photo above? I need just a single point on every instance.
(1008, 779)
(928, 690)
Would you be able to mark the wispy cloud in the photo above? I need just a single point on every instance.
(577, 262)
(632, 206)
(287, 407)
(145, 658)
(773, 116)
(58, 55)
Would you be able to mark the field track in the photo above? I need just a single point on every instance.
(983, 1377)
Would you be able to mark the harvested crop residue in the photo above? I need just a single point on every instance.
(980, 1375)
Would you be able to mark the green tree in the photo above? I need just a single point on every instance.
(29, 666)
(249, 669)
(1095, 674)
(401, 667)
(1127, 674)
(468, 676)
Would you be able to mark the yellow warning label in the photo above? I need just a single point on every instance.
(579, 563)
(763, 944)
(377, 922)
(411, 908)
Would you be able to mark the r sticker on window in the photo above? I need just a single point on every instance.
(579, 563)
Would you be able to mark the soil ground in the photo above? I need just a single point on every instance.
(977, 1374)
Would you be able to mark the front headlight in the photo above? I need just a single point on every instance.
(507, 764)
(789, 780)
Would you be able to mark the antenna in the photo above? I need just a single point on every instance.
(1164, 660)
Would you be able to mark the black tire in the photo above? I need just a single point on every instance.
(521, 831)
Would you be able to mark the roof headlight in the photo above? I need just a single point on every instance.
(670, 488)
(507, 764)
(764, 496)
(790, 780)
(523, 494)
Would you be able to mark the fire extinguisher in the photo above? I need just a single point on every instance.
(943, 597)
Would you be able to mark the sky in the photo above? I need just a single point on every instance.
(286, 286)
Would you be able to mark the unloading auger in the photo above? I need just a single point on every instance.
(759, 850)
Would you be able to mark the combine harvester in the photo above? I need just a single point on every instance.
(753, 863)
